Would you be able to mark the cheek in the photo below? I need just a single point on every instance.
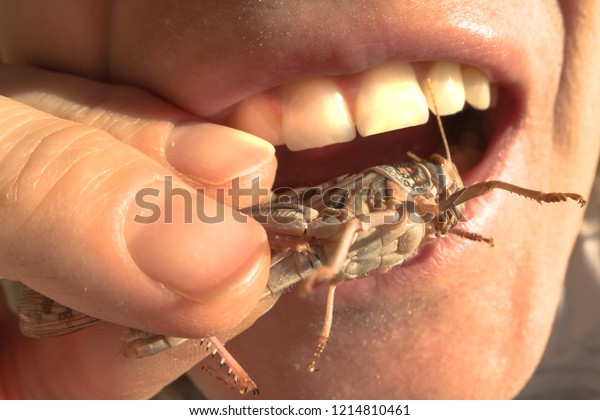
(479, 339)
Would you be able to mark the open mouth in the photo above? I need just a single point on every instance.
(325, 127)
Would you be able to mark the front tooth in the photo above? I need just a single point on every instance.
(477, 88)
(389, 98)
(315, 114)
(448, 88)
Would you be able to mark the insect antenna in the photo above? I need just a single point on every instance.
(439, 122)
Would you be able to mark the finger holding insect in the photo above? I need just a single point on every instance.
(170, 136)
(71, 196)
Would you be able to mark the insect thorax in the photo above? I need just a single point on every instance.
(412, 176)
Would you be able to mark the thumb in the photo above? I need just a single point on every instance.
(70, 232)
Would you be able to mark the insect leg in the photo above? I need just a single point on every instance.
(327, 272)
(330, 270)
(471, 236)
(325, 330)
(143, 344)
(241, 378)
(353, 226)
(482, 188)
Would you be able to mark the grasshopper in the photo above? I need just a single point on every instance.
(350, 227)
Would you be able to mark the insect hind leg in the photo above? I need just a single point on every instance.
(477, 190)
(327, 272)
(353, 226)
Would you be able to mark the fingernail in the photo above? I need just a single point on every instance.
(214, 154)
(187, 253)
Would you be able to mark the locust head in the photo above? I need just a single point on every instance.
(446, 180)
(444, 175)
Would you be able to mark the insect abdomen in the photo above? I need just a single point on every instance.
(378, 249)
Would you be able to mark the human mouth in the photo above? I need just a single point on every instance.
(372, 117)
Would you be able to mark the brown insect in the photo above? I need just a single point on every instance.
(350, 227)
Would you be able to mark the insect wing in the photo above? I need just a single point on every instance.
(42, 317)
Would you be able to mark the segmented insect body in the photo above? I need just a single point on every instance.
(347, 228)
(308, 225)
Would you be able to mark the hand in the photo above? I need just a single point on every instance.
(74, 155)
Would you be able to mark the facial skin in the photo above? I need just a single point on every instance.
(468, 322)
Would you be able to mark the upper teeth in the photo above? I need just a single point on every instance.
(315, 112)
(389, 98)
